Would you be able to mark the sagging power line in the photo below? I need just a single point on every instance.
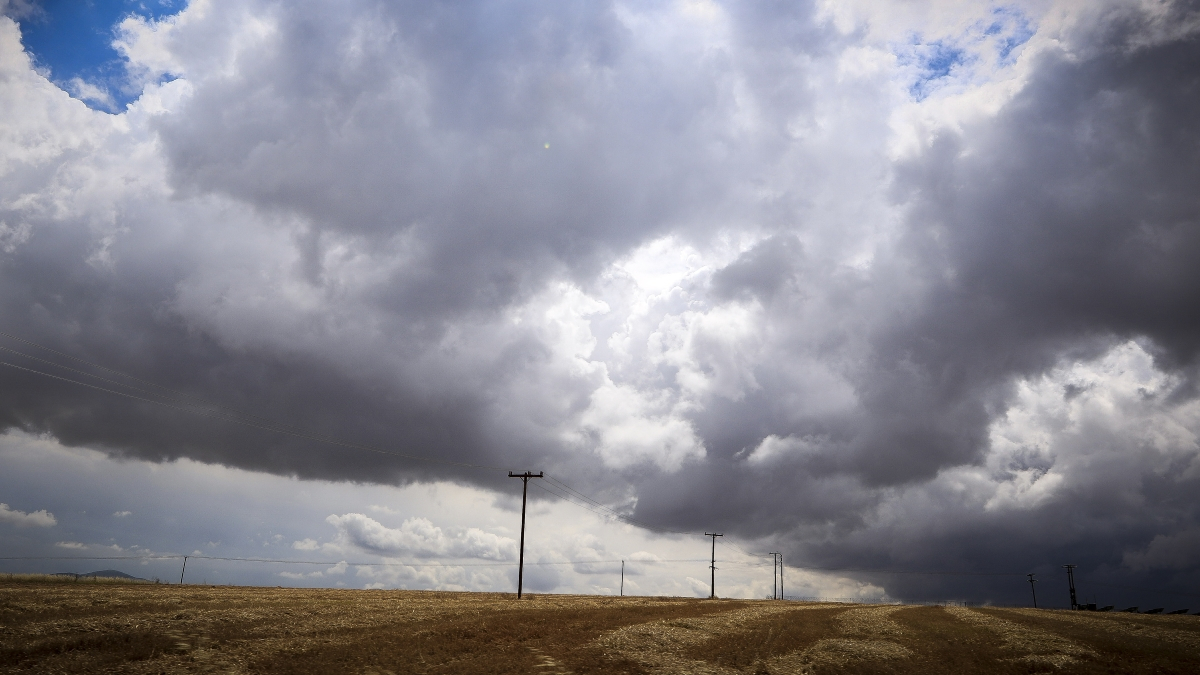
(388, 563)
(276, 427)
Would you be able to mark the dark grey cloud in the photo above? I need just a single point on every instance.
(413, 138)
(1048, 233)
(1065, 224)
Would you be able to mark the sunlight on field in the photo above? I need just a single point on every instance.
(48, 624)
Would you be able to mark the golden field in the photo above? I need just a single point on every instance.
(54, 626)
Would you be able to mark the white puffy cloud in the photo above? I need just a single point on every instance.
(39, 518)
(335, 570)
(420, 537)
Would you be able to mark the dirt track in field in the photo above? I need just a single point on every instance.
(143, 629)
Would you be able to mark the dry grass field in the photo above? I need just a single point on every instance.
(57, 627)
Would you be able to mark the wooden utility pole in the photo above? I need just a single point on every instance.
(1033, 581)
(524, 498)
(713, 564)
(183, 571)
(622, 578)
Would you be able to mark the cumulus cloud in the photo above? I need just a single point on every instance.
(1179, 551)
(40, 518)
(420, 537)
(335, 570)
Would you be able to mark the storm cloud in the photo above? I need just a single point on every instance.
(888, 290)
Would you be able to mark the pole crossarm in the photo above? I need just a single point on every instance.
(524, 499)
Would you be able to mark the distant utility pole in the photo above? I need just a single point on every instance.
(1071, 581)
(774, 575)
(622, 578)
(524, 498)
(1033, 581)
(713, 564)
(183, 571)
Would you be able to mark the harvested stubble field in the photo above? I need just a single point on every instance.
(145, 628)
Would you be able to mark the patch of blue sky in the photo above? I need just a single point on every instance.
(72, 41)
(1019, 29)
(936, 63)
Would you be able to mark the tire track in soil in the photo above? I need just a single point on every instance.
(869, 635)
(1038, 646)
(1129, 625)
(547, 664)
(661, 645)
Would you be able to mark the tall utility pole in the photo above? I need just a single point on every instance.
(774, 575)
(1071, 581)
(622, 578)
(782, 595)
(524, 498)
(713, 564)
(181, 572)
(1033, 581)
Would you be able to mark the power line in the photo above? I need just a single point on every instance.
(611, 513)
(743, 551)
(278, 429)
(205, 407)
(813, 568)
(340, 562)
(887, 571)
(1145, 590)
(580, 495)
(177, 394)
(85, 361)
(566, 498)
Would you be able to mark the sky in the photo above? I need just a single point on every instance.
(899, 290)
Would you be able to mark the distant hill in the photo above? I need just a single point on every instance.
(109, 574)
